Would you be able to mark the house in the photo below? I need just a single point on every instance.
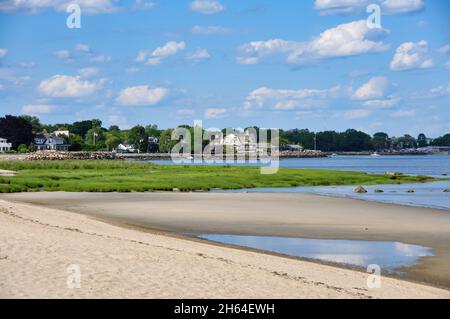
(125, 148)
(153, 145)
(62, 133)
(4, 145)
(242, 142)
(50, 142)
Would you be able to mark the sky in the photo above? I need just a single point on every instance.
(275, 64)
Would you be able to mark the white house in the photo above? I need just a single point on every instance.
(50, 142)
(4, 145)
(125, 148)
(64, 133)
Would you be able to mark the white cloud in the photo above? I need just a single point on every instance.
(62, 54)
(3, 52)
(215, 113)
(284, 99)
(344, 40)
(375, 88)
(444, 49)
(403, 113)
(388, 7)
(87, 6)
(84, 48)
(100, 58)
(141, 95)
(210, 30)
(69, 86)
(382, 103)
(160, 53)
(38, 109)
(411, 55)
(198, 55)
(356, 114)
(440, 91)
(206, 6)
(88, 72)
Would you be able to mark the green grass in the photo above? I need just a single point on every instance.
(120, 176)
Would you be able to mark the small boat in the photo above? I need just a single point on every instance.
(375, 154)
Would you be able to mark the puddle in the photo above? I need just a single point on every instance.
(388, 255)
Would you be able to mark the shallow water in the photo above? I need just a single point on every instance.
(390, 256)
(430, 195)
(429, 165)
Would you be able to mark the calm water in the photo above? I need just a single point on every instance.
(425, 195)
(388, 255)
(430, 165)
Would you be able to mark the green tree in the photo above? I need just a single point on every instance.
(16, 130)
(138, 138)
(380, 141)
(441, 141)
(36, 125)
(165, 141)
(95, 138)
(22, 148)
(422, 140)
(112, 141)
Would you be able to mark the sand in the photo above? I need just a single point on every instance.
(295, 215)
(37, 244)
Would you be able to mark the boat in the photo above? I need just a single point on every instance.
(375, 154)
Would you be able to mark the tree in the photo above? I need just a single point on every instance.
(112, 141)
(442, 141)
(380, 141)
(407, 141)
(36, 125)
(16, 130)
(22, 148)
(95, 138)
(138, 138)
(422, 140)
(165, 141)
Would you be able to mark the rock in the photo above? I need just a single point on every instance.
(447, 190)
(52, 156)
(360, 189)
(410, 191)
(379, 191)
(175, 190)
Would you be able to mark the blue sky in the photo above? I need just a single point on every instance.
(306, 64)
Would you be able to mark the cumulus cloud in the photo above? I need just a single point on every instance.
(87, 6)
(207, 6)
(38, 108)
(388, 7)
(160, 53)
(198, 55)
(344, 40)
(284, 99)
(3, 52)
(375, 88)
(141, 95)
(69, 86)
(411, 55)
(210, 30)
(215, 113)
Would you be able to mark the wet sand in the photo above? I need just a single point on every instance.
(40, 247)
(290, 215)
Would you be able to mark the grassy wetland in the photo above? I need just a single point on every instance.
(122, 176)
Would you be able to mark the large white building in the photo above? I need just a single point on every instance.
(4, 145)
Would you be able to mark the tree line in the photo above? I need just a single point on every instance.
(90, 135)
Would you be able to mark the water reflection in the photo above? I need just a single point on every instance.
(388, 255)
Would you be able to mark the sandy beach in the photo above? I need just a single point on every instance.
(38, 243)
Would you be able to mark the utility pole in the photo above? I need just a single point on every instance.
(315, 141)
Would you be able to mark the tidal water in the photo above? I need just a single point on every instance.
(424, 195)
(390, 256)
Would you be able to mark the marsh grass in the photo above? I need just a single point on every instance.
(121, 176)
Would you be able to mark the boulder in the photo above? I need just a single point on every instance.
(360, 190)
